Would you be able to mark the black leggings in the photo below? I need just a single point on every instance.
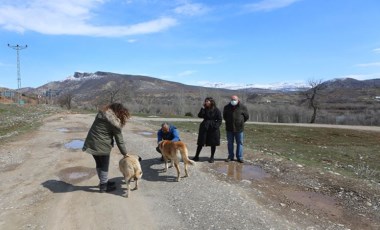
(102, 162)
(199, 148)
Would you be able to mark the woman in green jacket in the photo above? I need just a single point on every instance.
(106, 129)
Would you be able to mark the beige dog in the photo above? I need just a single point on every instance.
(131, 169)
(170, 151)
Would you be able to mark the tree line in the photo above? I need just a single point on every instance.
(308, 110)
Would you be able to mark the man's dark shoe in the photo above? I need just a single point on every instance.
(211, 160)
(195, 159)
(228, 160)
(240, 161)
(107, 187)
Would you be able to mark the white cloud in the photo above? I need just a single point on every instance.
(70, 17)
(372, 64)
(132, 40)
(186, 73)
(191, 9)
(377, 50)
(268, 5)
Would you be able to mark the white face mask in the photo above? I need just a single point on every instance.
(234, 103)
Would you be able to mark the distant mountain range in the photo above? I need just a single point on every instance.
(341, 99)
(90, 87)
(281, 86)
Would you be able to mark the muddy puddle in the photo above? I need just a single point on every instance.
(63, 130)
(316, 201)
(145, 133)
(70, 130)
(74, 144)
(75, 175)
(237, 171)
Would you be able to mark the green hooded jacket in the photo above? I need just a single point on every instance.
(105, 129)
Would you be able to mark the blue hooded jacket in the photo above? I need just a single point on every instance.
(172, 135)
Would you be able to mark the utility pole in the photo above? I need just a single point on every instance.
(18, 48)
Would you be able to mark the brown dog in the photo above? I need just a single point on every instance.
(131, 169)
(170, 151)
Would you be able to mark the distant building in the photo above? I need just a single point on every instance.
(8, 94)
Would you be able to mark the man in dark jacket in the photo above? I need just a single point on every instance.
(235, 115)
(167, 132)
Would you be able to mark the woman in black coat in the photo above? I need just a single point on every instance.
(209, 132)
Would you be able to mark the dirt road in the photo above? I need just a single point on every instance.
(47, 182)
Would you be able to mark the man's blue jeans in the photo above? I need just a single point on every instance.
(239, 138)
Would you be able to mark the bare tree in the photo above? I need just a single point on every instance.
(114, 91)
(312, 97)
(243, 95)
(65, 100)
(181, 102)
(202, 93)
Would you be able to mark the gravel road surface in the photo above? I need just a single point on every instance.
(47, 182)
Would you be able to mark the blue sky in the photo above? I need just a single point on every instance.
(221, 41)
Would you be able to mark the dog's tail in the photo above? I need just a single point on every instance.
(185, 155)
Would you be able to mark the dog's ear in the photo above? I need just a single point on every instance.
(140, 159)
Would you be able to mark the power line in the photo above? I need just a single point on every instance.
(18, 48)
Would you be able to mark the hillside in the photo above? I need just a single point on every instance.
(341, 101)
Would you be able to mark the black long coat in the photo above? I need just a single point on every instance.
(209, 129)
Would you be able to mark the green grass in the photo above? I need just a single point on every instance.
(15, 119)
(319, 147)
(350, 152)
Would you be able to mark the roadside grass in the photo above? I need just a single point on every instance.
(15, 119)
(352, 153)
(339, 150)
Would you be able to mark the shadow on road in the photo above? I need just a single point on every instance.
(152, 174)
(57, 186)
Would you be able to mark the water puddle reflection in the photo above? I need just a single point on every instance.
(240, 172)
(63, 130)
(144, 133)
(68, 130)
(74, 144)
(75, 175)
(316, 201)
